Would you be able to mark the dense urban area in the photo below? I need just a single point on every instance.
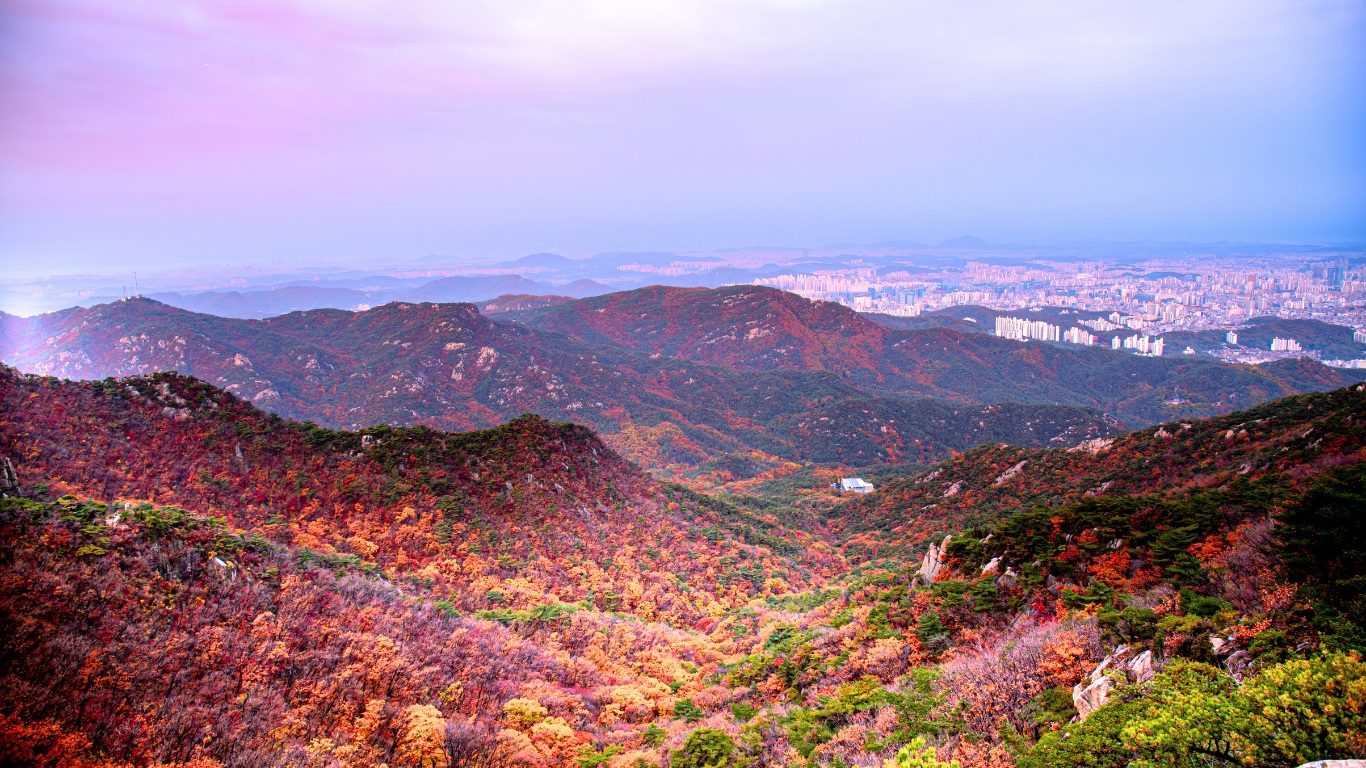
(1111, 301)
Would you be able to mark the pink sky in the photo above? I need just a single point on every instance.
(239, 131)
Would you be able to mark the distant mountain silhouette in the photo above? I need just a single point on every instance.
(965, 242)
(581, 289)
(550, 260)
(473, 288)
(268, 303)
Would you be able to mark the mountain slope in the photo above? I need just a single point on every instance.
(202, 645)
(522, 597)
(741, 326)
(1294, 437)
(517, 302)
(525, 500)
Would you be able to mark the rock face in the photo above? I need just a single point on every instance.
(933, 561)
(1091, 697)
(1093, 692)
(1140, 667)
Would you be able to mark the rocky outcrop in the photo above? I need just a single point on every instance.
(933, 561)
(1140, 667)
(1094, 691)
(1090, 695)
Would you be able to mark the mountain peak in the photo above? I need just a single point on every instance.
(746, 326)
(965, 242)
(552, 260)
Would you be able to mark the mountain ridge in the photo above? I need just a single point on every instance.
(759, 328)
(449, 367)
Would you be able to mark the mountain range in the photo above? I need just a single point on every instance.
(260, 304)
(672, 377)
(758, 328)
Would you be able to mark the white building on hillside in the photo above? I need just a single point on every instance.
(855, 484)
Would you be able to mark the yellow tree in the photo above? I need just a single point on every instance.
(424, 737)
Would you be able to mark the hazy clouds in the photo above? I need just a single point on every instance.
(250, 130)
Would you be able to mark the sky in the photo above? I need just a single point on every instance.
(144, 133)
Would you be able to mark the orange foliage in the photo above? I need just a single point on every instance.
(1111, 569)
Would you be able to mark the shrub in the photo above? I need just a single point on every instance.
(1292, 713)
(1324, 547)
(705, 748)
(1094, 742)
(917, 755)
(688, 711)
(654, 735)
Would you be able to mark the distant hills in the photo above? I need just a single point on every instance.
(965, 242)
(1332, 342)
(672, 377)
(448, 366)
(260, 304)
(481, 288)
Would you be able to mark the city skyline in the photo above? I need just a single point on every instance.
(1088, 297)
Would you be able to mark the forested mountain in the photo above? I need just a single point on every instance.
(1292, 437)
(1327, 340)
(526, 492)
(191, 581)
(759, 328)
(747, 327)
(671, 377)
(1330, 341)
(514, 302)
(448, 367)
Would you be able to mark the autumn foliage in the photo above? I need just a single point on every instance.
(187, 580)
